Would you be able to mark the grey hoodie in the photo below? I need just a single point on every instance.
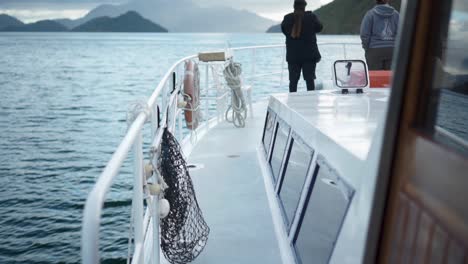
(379, 27)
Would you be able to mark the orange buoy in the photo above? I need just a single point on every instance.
(380, 79)
(192, 94)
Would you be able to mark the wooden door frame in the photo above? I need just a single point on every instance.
(402, 53)
(415, 45)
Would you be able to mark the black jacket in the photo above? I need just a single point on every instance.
(304, 48)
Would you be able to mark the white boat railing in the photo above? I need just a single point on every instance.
(145, 221)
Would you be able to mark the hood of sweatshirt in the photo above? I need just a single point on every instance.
(384, 10)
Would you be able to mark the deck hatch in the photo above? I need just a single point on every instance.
(326, 206)
(296, 168)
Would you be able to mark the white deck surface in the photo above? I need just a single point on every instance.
(231, 193)
(349, 121)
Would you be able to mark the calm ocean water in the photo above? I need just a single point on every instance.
(63, 104)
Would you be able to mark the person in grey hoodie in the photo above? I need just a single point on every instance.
(378, 33)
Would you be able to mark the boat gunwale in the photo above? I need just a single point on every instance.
(95, 200)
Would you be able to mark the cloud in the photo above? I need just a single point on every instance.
(54, 4)
(29, 16)
(32, 10)
(275, 16)
(272, 9)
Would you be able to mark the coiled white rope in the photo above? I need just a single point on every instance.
(237, 108)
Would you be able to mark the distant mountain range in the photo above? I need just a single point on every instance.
(9, 21)
(177, 16)
(342, 16)
(274, 29)
(127, 22)
(182, 16)
(39, 26)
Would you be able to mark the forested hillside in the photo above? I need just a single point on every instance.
(342, 16)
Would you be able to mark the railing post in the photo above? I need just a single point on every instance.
(174, 115)
(154, 115)
(155, 255)
(254, 53)
(138, 192)
(174, 80)
(179, 117)
(164, 99)
(207, 83)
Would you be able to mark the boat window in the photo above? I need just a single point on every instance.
(268, 130)
(322, 218)
(448, 107)
(296, 171)
(279, 146)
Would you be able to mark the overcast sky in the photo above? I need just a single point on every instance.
(33, 10)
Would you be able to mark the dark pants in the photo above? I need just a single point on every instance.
(308, 73)
(379, 59)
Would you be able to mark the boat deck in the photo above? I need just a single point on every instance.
(229, 180)
(231, 193)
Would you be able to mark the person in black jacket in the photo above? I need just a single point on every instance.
(302, 53)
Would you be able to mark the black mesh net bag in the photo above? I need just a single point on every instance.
(184, 232)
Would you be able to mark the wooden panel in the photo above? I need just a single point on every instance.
(420, 238)
(439, 186)
(426, 219)
(389, 252)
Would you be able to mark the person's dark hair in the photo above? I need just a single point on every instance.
(299, 10)
(381, 2)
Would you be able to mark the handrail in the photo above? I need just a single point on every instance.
(95, 201)
(284, 45)
(259, 47)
